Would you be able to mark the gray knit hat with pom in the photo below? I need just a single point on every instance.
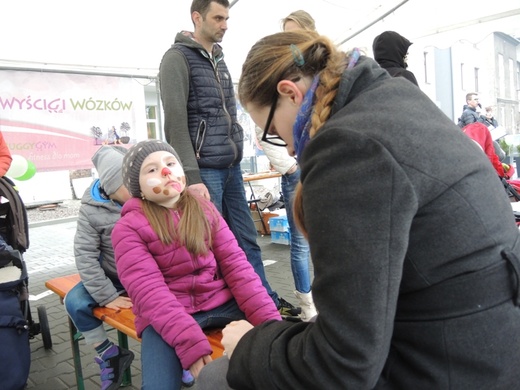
(134, 159)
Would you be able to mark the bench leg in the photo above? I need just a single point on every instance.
(75, 336)
(122, 339)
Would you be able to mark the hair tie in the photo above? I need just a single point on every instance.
(297, 55)
(354, 57)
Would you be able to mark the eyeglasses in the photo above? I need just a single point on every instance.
(275, 140)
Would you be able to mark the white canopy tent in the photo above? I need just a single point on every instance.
(131, 36)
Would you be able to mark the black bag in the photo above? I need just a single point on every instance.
(15, 351)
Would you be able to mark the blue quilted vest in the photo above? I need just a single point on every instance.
(216, 135)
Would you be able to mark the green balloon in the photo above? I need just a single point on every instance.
(29, 173)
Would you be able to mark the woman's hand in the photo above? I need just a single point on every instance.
(232, 334)
(199, 365)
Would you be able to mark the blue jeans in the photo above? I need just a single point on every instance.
(161, 367)
(79, 305)
(226, 188)
(299, 245)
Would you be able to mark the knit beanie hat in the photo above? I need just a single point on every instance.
(108, 161)
(134, 159)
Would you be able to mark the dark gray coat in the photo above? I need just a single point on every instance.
(407, 223)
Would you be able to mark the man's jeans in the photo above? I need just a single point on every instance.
(299, 245)
(226, 188)
(160, 364)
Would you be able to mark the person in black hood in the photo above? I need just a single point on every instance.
(390, 50)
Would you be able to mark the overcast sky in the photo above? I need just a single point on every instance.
(135, 34)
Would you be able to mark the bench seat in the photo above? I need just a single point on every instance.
(121, 320)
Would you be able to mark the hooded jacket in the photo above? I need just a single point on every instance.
(409, 230)
(93, 250)
(278, 157)
(167, 283)
(390, 50)
(199, 107)
(479, 133)
(5, 156)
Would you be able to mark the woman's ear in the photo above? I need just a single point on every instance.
(291, 90)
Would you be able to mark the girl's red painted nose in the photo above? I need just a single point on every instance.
(165, 171)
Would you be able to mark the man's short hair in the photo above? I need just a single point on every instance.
(202, 6)
(470, 95)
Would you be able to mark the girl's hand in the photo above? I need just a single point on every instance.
(232, 334)
(199, 364)
(120, 303)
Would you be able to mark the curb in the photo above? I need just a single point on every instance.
(52, 222)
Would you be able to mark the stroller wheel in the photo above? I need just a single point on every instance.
(44, 327)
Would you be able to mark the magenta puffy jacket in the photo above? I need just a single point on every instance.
(167, 284)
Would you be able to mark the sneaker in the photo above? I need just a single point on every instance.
(113, 363)
(187, 379)
(286, 309)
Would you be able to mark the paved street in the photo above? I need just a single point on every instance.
(51, 255)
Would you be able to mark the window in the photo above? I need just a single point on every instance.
(501, 76)
(462, 76)
(518, 81)
(425, 59)
(151, 121)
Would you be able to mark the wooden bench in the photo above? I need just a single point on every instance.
(120, 320)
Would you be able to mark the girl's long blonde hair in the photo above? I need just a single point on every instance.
(194, 230)
(277, 57)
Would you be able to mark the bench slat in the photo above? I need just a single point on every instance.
(123, 320)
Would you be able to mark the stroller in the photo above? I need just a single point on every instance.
(16, 323)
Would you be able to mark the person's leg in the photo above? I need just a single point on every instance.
(161, 368)
(226, 188)
(238, 215)
(79, 305)
(112, 359)
(214, 180)
(299, 246)
(213, 375)
(220, 316)
(299, 250)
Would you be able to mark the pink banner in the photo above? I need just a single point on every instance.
(58, 121)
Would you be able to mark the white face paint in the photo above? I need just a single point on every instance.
(178, 171)
(162, 179)
(152, 182)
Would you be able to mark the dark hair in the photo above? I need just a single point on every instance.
(202, 6)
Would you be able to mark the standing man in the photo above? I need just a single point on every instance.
(391, 51)
(200, 122)
(469, 114)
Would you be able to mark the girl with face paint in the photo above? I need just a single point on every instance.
(181, 266)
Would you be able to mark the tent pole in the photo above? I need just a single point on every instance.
(374, 22)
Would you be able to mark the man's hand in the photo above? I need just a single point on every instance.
(232, 334)
(120, 303)
(200, 189)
